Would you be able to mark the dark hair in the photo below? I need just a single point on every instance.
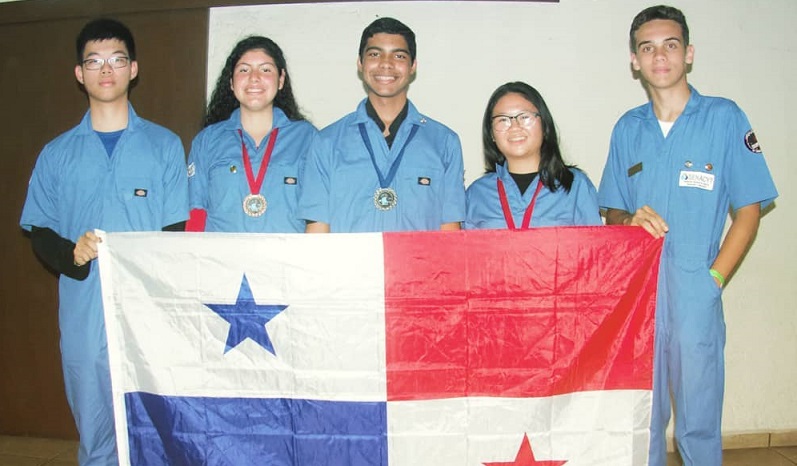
(104, 29)
(658, 12)
(553, 171)
(223, 102)
(389, 26)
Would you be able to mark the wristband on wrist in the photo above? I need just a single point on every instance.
(718, 276)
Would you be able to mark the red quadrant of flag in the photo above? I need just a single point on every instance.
(554, 311)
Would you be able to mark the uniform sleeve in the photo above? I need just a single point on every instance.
(454, 179)
(586, 210)
(198, 174)
(315, 181)
(175, 183)
(749, 180)
(41, 204)
(614, 191)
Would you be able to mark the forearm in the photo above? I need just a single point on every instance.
(739, 237)
(57, 252)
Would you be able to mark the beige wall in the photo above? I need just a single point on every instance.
(576, 53)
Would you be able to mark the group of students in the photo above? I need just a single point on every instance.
(676, 165)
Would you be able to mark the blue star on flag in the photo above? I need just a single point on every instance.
(247, 318)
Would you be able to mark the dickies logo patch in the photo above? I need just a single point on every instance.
(290, 180)
(752, 142)
(424, 181)
(140, 192)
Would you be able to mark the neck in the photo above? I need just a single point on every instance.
(107, 117)
(388, 108)
(524, 166)
(668, 104)
(257, 124)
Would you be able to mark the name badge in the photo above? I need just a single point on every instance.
(699, 180)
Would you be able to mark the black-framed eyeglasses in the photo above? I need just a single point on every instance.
(502, 123)
(114, 62)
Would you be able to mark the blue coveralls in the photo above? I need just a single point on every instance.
(75, 188)
(709, 162)
(559, 208)
(340, 179)
(217, 180)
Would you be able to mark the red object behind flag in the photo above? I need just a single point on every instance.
(549, 312)
(197, 219)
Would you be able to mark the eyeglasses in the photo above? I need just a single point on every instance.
(502, 123)
(113, 62)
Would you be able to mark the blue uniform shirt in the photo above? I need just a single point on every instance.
(77, 187)
(218, 183)
(559, 208)
(340, 179)
(692, 176)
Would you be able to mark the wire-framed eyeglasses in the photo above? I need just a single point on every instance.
(114, 62)
(502, 123)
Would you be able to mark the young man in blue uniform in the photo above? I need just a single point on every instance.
(385, 167)
(676, 165)
(116, 172)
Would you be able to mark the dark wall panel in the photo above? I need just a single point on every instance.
(41, 99)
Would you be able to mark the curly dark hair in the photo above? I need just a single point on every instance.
(223, 102)
(554, 173)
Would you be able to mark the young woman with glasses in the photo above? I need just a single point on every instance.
(526, 184)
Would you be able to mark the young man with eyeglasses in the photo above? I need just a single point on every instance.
(115, 172)
(676, 165)
(385, 167)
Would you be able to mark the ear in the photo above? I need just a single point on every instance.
(359, 64)
(634, 62)
(282, 80)
(133, 70)
(690, 54)
(79, 73)
(414, 66)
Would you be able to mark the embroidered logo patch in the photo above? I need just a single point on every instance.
(424, 181)
(700, 180)
(752, 142)
(140, 192)
(191, 170)
(290, 180)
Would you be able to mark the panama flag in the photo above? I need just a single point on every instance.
(428, 348)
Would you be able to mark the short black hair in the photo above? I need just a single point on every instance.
(388, 26)
(658, 12)
(104, 29)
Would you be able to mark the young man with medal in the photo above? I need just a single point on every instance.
(676, 165)
(385, 167)
(116, 172)
(244, 166)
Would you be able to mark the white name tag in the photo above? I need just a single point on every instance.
(696, 180)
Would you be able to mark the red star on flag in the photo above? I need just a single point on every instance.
(525, 457)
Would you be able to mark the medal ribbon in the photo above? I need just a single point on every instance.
(384, 182)
(510, 223)
(255, 184)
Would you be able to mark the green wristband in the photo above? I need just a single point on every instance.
(718, 276)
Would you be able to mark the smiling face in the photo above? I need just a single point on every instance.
(386, 66)
(256, 80)
(519, 144)
(661, 56)
(107, 84)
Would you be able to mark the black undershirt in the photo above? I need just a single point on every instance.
(58, 252)
(523, 180)
(371, 111)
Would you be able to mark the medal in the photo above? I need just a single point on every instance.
(255, 203)
(385, 198)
